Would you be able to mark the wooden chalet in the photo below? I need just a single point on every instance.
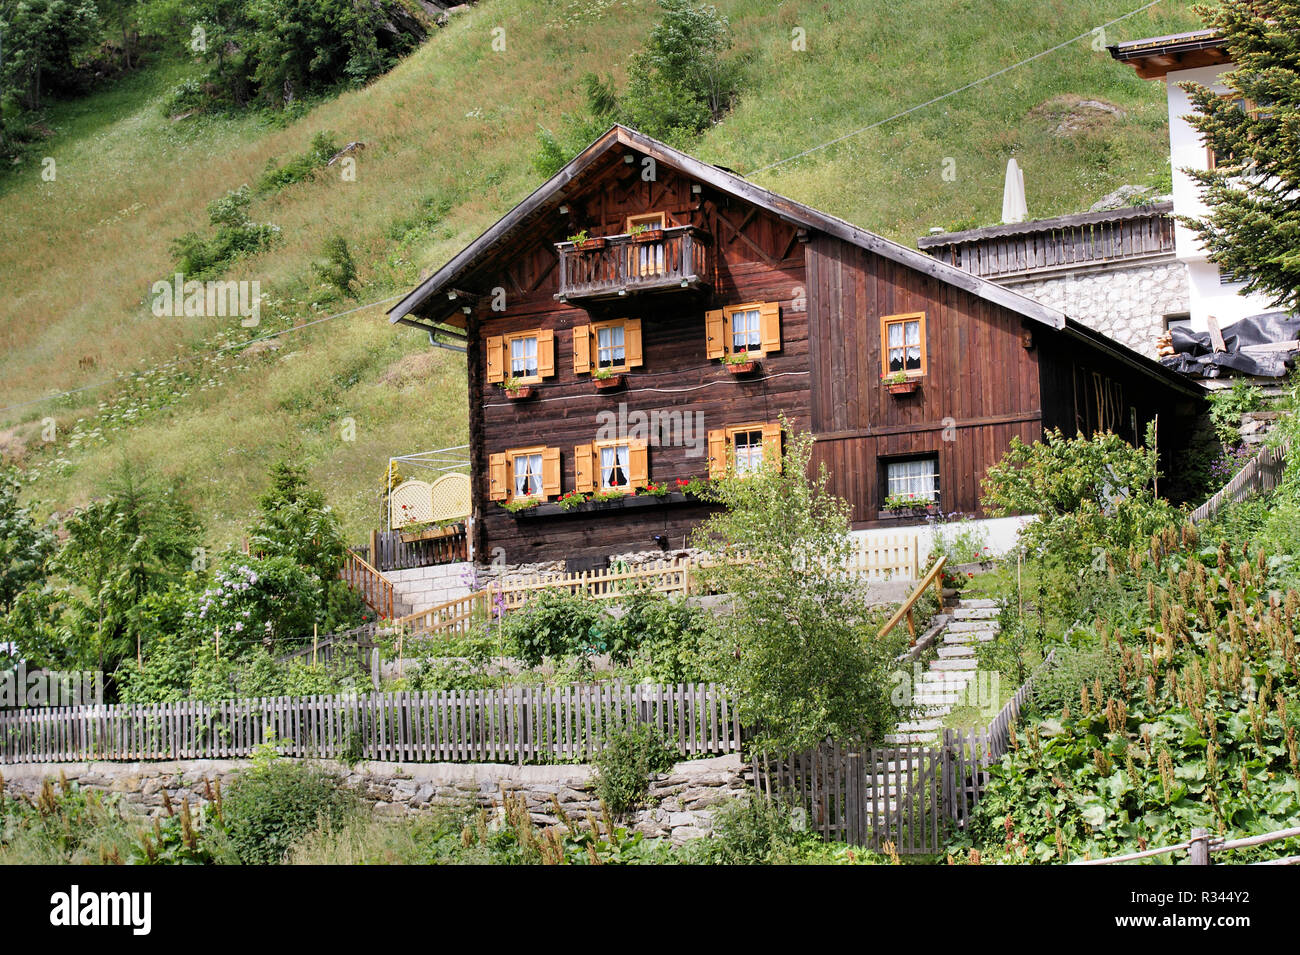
(643, 286)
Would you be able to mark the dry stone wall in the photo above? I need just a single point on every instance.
(682, 801)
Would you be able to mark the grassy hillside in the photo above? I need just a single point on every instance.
(449, 135)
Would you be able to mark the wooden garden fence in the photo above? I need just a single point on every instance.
(906, 795)
(1261, 473)
(518, 724)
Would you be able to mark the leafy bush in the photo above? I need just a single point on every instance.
(662, 638)
(1227, 407)
(338, 270)
(300, 168)
(237, 235)
(624, 767)
(274, 802)
(556, 624)
(64, 825)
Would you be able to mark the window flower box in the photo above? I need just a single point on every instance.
(520, 393)
(607, 382)
(901, 384)
(623, 502)
(741, 368)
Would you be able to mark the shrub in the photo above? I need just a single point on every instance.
(624, 767)
(300, 168)
(275, 802)
(237, 235)
(661, 637)
(556, 624)
(338, 270)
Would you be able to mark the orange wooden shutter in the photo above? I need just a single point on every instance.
(583, 472)
(582, 349)
(772, 443)
(496, 349)
(498, 479)
(546, 354)
(550, 472)
(632, 342)
(769, 326)
(715, 327)
(638, 463)
(717, 453)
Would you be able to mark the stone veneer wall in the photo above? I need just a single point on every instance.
(421, 587)
(682, 799)
(1127, 304)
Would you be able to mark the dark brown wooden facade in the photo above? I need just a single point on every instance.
(997, 365)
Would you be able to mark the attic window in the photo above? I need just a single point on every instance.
(646, 257)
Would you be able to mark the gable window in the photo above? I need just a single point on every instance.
(524, 473)
(903, 343)
(611, 466)
(614, 345)
(744, 447)
(753, 328)
(646, 258)
(915, 479)
(526, 355)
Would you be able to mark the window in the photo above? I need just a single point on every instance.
(744, 447)
(523, 356)
(646, 258)
(1229, 277)
(610, 348)
(1214, 158)
(524, 473)
(903, 343)
(753, 328)
(913, 478)
(614, 345)
(528, 474)
(745, 336)
(526, 355)
(611, 466)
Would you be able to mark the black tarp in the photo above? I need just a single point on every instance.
(1195, 355)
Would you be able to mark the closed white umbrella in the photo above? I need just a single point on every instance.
(1013, 194)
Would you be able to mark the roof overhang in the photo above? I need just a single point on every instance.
(1155, 57)
(424, 299)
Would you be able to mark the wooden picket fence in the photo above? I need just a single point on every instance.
(905, 796)
(518, 724)
(892, 557)
(1261, 473)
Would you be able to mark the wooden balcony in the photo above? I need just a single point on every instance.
(677, 258)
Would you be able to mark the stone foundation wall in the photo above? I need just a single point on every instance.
(682, 800)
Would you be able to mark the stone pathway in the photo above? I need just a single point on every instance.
(947, 677)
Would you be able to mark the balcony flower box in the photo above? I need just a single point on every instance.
(648, 235)
(431, 533)
(608, 383)
(590, 244)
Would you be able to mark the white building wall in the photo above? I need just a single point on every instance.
(1206, 296)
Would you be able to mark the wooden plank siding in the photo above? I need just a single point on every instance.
(981, 385)
(759, 258)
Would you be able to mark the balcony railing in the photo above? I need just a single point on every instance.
(680, 257)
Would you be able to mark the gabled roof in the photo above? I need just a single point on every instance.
(553, 192)
(436, 297)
